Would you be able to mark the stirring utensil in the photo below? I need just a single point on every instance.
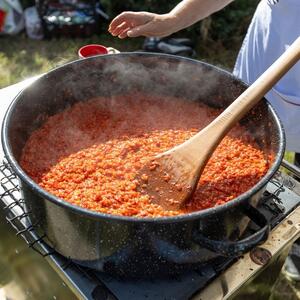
(172, 177)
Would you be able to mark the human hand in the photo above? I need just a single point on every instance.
(134, 24)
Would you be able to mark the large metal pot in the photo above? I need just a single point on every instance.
(126, 245)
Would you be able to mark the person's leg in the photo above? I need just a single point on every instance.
(292, 263)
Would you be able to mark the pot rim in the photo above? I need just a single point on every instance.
(173, 219)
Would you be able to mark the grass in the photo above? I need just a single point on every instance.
(289, 156)
(21, 57)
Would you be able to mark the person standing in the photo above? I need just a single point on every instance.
(274, 27)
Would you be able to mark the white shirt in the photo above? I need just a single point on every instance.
(273, 29)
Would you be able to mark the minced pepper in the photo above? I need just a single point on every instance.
(90, 153)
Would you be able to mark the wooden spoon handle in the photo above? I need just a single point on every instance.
(211, 135)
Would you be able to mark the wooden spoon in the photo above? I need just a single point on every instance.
(172, 177)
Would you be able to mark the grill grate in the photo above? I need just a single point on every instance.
(279, 201)
(15, 212)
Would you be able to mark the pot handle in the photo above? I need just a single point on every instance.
(228, 248)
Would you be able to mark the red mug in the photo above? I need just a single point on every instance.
(92, 50)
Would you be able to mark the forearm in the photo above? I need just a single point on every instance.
(188, 12)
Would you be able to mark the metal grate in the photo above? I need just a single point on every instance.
(15, 212)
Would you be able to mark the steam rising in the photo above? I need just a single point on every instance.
(150, 74)
(114, 76)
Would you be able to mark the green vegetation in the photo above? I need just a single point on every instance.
(21, 57)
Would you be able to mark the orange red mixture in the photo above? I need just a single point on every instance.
(90, 153)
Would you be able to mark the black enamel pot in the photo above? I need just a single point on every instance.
(131, 246)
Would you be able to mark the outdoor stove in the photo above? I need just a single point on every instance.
(225, 278)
